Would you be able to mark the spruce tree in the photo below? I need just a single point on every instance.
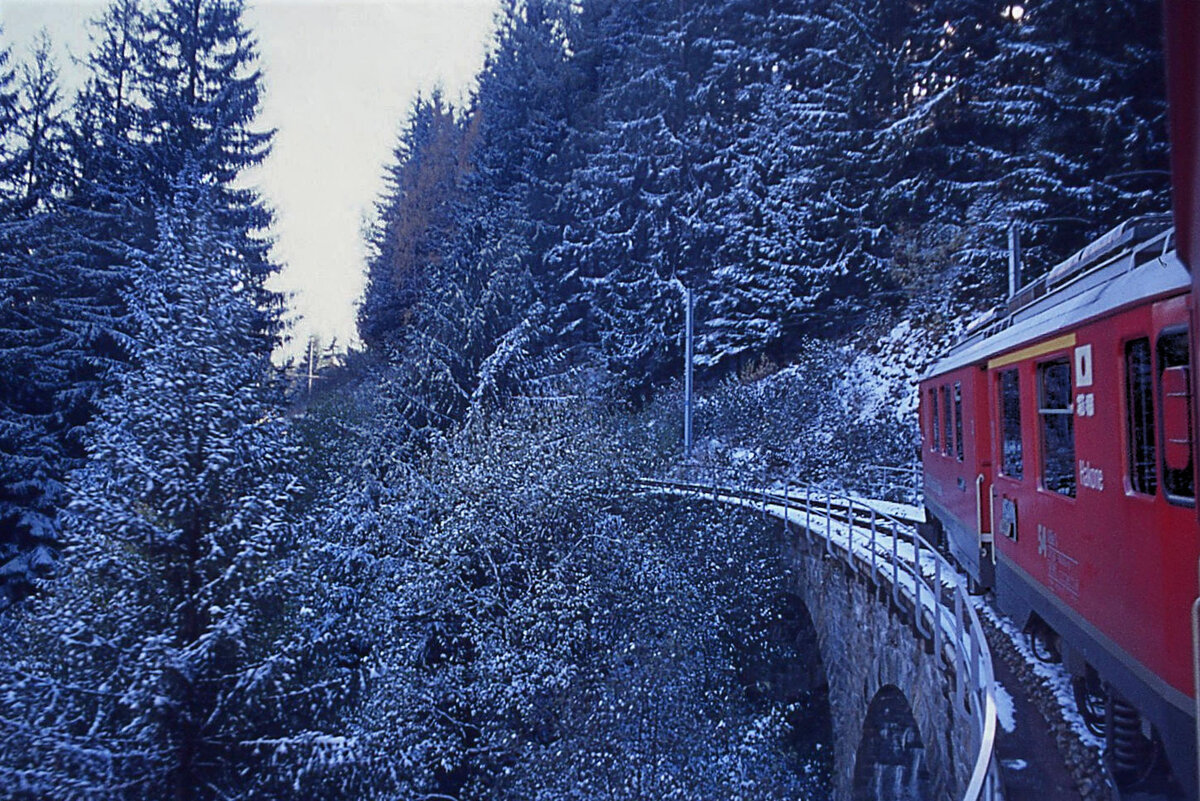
(107, 219)
(800, 258)
(414, 218)
(641, 192)
(530, 97)
(1082, 111)
(176, 656)
(201, 87)
(35, 343)
(170, 84)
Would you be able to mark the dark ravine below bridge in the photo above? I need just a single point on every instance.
(911, 685)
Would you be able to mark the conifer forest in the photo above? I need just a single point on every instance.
(429, 576)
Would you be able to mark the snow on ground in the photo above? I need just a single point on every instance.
(900, 511)
(881, 378)
(1054, 676)
(743, 455)
(1005, 713)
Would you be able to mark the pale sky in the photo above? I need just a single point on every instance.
(340, 75)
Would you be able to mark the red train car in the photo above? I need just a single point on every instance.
(1058, 454)
(957, 462)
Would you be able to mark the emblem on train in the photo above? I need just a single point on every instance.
(1083, 366)
(1091, 477)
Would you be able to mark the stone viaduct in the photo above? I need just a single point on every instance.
(896, 732)
(902, 731)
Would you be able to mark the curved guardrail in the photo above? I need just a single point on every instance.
(887, 552)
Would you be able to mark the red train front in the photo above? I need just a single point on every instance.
(1058, 455)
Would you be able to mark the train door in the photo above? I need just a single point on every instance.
(982, 447)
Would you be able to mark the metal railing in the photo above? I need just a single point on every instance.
(907, 571)
(897, 483)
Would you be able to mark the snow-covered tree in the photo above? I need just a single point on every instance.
(180, 653)
(1081, 112)
(641, 191)
(801, 256)
(36, 355)
(529, 636)
(413, 217)
(169, 84)
(201, 89)
(531, 95)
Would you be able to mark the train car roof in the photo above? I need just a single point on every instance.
(1073, 293)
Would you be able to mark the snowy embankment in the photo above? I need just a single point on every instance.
(1053, 676)
(880, 379)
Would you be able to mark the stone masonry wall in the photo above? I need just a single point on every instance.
(867, 646)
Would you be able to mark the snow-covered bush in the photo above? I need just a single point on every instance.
(809, 421)
(535, 629)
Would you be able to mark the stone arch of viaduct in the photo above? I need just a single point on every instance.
(897, 733)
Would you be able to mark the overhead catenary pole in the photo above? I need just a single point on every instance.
(687, 290)
(311, 348)
(1014, 259)
(687, 374)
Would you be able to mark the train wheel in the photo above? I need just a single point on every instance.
(1091, 701)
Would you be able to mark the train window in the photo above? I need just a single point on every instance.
(1012, 462)
(947, 423)
(933, 416)
(1139, 394)
(1175, 397)
(958, 421)
(1058, 427)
